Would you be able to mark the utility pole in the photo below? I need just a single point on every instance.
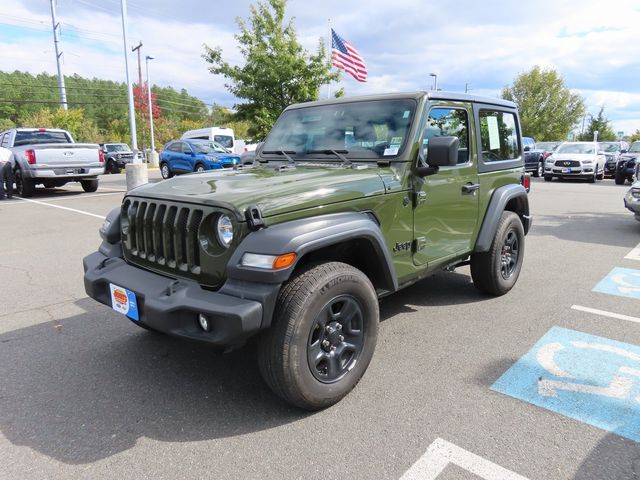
(137, 48)
(153, 145)
(466, 88)
(56, 41)
(132, 114)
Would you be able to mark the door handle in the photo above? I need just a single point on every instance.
(470, 188)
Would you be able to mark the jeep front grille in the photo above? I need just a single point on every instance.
(162, 234)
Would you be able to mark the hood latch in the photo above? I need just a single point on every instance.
(254, 218)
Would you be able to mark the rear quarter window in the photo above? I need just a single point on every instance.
(498, 136)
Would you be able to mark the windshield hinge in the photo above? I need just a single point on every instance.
(254, 218)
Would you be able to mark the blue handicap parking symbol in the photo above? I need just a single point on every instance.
(624, 282)
(591, 379)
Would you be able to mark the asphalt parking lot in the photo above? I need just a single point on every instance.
(84, 393)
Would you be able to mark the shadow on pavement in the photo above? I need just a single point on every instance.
(87, 387)
(589, 228)
(613, 458)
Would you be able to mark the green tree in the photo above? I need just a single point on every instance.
(635, 137)
(72, 120)
(277, 71)
(601, 125)
(548, 109)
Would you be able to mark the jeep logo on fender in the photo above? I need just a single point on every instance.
(402, 246)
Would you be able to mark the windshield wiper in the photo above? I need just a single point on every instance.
(284, 153)
(337, 153)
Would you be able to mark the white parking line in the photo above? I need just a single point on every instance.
(61, 207)
(441, 453)
(634, 254)
(82, 197)
(604, 313)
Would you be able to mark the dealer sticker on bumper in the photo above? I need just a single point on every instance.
(124, 301)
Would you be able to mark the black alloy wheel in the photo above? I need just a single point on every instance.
(336, 339)
(509, 255)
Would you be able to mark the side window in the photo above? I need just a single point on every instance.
(448, 122)
(186, 148)
(175, 147)
(4, 140)
(498, 136)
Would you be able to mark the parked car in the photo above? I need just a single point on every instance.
(612, 152)
(297, 253)
(632, 200)
(50, 157)
(626, 165)
(547, 148)
(575, 160)
(249, 155)
(116, 156)
(222, 135)
(533, 158)
(183, 156)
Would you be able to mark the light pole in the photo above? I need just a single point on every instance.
(132, 115)
(435, 81)
(153, 144)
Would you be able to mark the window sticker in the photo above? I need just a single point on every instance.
(391, 151)
(396, 141)
(494, 133)
(406, 114)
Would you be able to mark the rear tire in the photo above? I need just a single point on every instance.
(25, 187)
(548, 178)
(619, 179)
(323, 335)
(89, 185)
(199, 168)
(495, 272)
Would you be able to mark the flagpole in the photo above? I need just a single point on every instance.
(330, 43)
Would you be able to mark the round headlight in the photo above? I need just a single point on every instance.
(224, 230)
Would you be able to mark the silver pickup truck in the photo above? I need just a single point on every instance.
(50, 157)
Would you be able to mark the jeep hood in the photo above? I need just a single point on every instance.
(274, 192)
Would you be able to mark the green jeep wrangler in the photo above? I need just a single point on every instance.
(349, 200)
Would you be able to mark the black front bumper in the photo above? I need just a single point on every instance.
(172, 306)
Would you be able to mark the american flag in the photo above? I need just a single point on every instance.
(345, 57)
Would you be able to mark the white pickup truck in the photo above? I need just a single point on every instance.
(50, 157)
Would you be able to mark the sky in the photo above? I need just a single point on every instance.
(594, 45)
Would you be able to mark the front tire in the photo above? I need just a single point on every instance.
(199, 168)
(539, 172)
(323, 335)
(495, 272)
(89, 186)
(619, 179)
(548, 178)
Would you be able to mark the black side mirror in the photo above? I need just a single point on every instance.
(623, 151)
(527, 148)
(442, 152)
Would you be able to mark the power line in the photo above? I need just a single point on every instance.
(57, 102)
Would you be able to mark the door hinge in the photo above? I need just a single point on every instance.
(419, 243)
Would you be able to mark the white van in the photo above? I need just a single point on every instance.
(222, 135)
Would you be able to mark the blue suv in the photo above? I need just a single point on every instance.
(182, 156)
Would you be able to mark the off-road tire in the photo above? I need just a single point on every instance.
(548, 178)
(165, 171)
(25, 187)
(284, 348)
(486, 267)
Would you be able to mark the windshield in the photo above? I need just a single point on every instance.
(208, 147)
(224, 140)
(610, 147)
(635, 147)
(35, 137)
(546, 146)
(359, 130)
(118, 147)
(576, 148)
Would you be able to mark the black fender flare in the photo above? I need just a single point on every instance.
(307, 235)
(498, 204)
